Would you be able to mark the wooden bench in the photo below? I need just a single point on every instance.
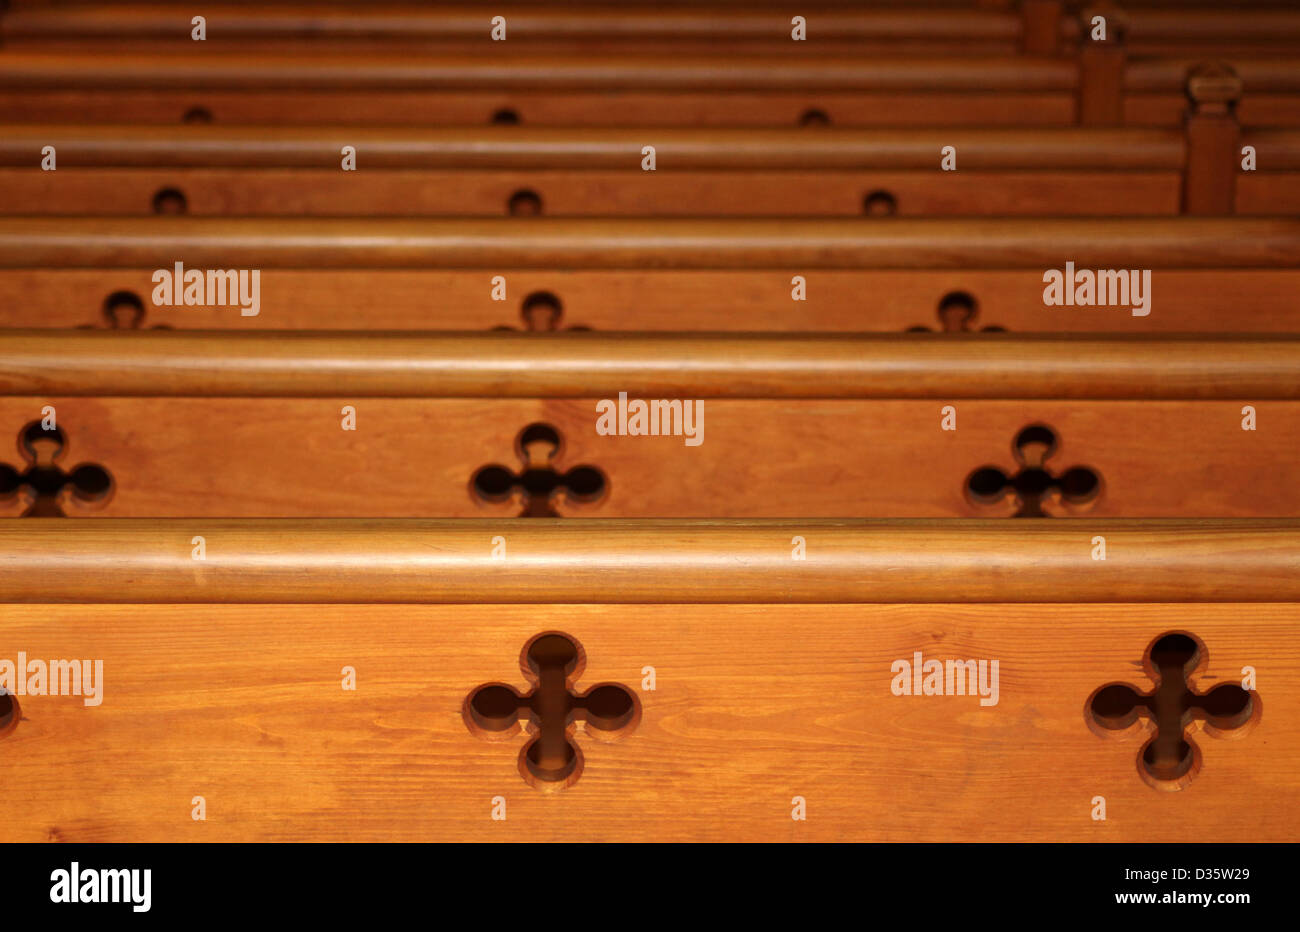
(1041, 27)
(1207, 274)
(407, 171)
(175, 423)
(705, 661)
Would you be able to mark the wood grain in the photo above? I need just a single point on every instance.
(593, 560)
(1184, 300)
(222, 457)
(575, 148)
(541, 242)
(198, 363)
(753, 706)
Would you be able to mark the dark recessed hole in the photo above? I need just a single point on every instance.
(1115, 706)
(1036, 435)
(584, 483)
(170, 201)
(551, 767)
(814, 117)
(91, 482)
(524, 203)
(124, 310)
(609, 707)
(553, 651)
(540, 433)
(493, 483)
(10, 480)
(987, 484)
(1168, 764)
(542, 311)
(1174, 650)
(879, 204)
(494, 708)
(1079, 484)
(197, 115)
(957, 310)
(10, 713)
(506, 117)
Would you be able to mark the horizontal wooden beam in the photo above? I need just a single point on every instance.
(468, 23)
(236, 363)
(22, 71)
(544, 243)
(531, 148)
(674, 561)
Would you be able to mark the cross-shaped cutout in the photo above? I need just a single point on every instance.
(957, 313)
(44, 481)
(541, 313)
(539, 483)
(1033, 485)
(1169, 760)
(552, 662)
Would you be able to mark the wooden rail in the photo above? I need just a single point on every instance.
(651, 561)
(523, 147)
(662, 365)
(409, 22)
(30, 71)
(544, 243)
(22, 71)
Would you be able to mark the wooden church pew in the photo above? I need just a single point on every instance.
(704, 655)
(493, 171)
(1207, 274)
(176, 423)
(1040, 27)
(1100, 86)
(545, 90)
(564, 28)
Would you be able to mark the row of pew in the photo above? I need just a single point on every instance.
(966, 331)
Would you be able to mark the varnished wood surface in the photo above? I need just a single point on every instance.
(547, 561)
(281, 457)
(275, 192)
(31, 71)
(157, 363)
(1185, 300)
(753, 705)
(35, 70)
(541, 242)
(468, 24)
(596, 107)
(577, 148)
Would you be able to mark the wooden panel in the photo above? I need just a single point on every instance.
(798, 459)
(637, 299)
(242, 704)
(570, 108)
(585, 193)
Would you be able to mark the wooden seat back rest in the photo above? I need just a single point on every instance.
(683, 622)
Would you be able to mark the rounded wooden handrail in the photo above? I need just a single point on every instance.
(647, 365)
(1277, 149)
(656, 561)
(549, 243)
(22, 71)
(530, 148)
(411, 21)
